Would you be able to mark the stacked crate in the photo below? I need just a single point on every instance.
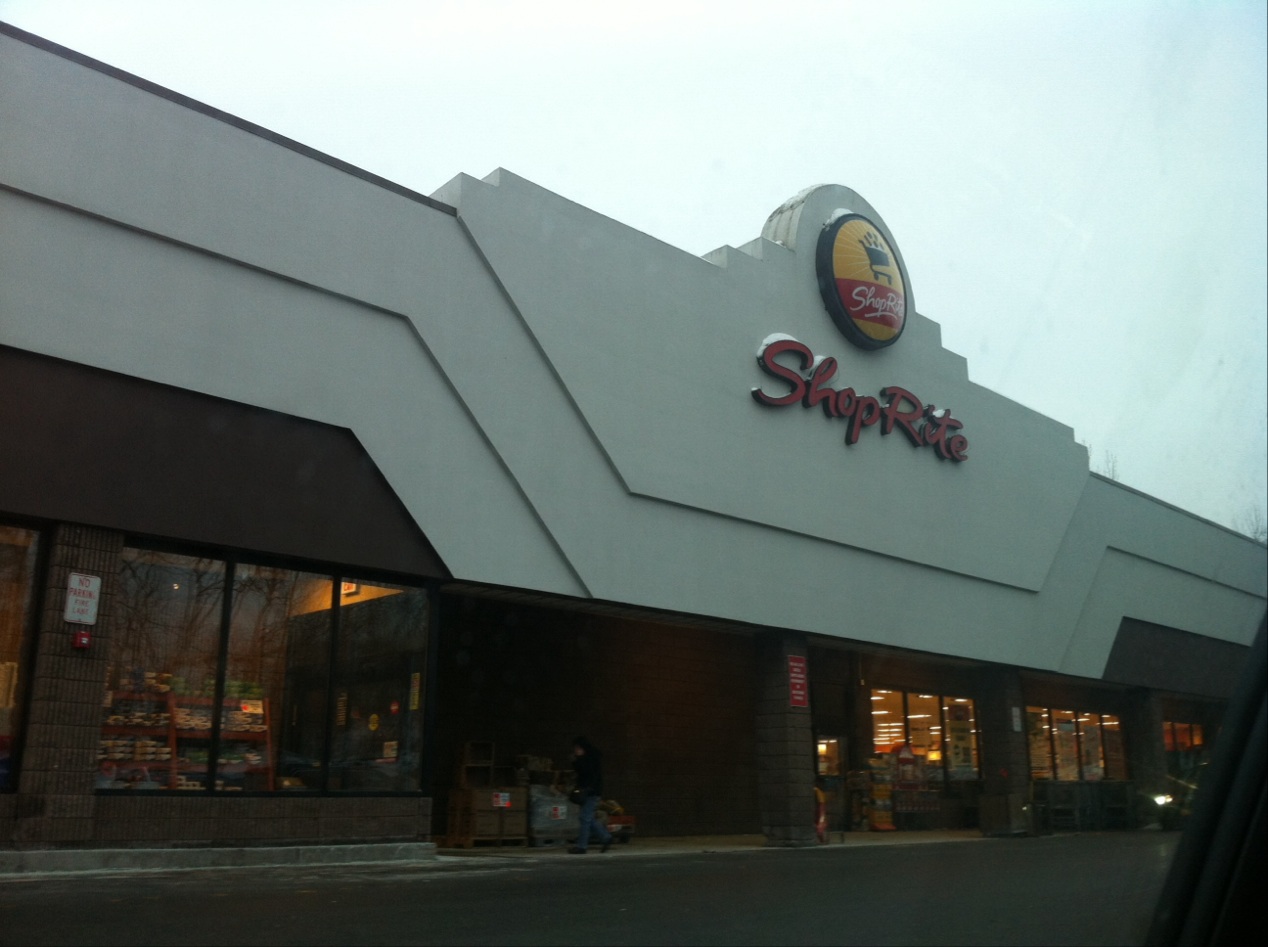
(476, 769)
(482, 810)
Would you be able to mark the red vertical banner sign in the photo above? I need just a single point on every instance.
(798, 691)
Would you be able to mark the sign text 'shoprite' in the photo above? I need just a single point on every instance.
(900, 410)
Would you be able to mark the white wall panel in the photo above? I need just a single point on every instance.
(658, 347)
(83, 290)
(562, 403)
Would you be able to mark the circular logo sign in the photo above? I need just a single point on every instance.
(861, 282)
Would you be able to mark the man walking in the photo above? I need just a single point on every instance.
(587, 763)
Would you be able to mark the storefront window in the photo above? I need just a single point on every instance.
(942, 731)
(889, 729)
(961, 738)
(1040, 738)
(1183, 736)
(1112, 741)
(378, 717)
(1065, 745)
(157, 722)
(924, 726)
(260, 640)
(1070, 745)
(829, 756)
(18, 548)
(276, 680)
(1090, 747)
(1186, 750)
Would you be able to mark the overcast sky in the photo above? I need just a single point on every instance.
(1078, 188)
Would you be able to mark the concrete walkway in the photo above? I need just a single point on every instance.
(24, 863)
(31, 864)
(709, 844)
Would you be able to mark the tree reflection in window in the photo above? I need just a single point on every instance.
(272, 730)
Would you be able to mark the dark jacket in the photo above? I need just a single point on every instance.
(589, 770)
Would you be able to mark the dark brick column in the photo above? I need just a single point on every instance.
(785, 746)
(55, 801)
(1001, 726)
(1146, 752)
(1004, 751)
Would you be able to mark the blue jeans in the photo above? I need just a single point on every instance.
(589, 825)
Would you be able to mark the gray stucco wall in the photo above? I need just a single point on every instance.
(562, 403)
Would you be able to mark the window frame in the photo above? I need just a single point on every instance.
(943, 700)
(337, 574)
(1078, 714)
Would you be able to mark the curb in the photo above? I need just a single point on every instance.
(47, 861)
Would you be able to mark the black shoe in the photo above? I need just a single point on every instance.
(576, 851)
(606, 845)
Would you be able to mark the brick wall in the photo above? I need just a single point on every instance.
(1143, 738)
(55, 801)
(195, 819)
(1005, 750)
(785, 746)
(671, 708)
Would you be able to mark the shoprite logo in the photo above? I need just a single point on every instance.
(808, 378)
(861, 282)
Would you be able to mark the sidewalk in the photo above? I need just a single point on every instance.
(714, 844)
(23, 864)
(33, 864)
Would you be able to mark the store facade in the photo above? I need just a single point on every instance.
(313, 482)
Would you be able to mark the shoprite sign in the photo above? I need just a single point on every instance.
(807, 381)
(861, 281)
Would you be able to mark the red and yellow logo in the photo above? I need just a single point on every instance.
(861, 282)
